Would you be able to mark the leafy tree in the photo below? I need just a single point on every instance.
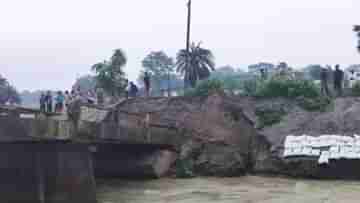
(158, 64)
(279, 87)
(8, 93)
(255, 68)
(357, 30)
(158, 85)
(30, 99)
(283, 66)
(233, 80)
(86, 83)
(195, 65)
(206, 87)
(161, 70)
(110, 75)
(314, 71)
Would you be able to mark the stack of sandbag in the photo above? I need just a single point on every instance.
(326, 147)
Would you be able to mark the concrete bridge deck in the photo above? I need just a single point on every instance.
(48, 159)
(19, 124)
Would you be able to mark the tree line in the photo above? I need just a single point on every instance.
(165, 72)
(8, 93)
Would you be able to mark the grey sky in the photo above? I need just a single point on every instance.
(48, 43)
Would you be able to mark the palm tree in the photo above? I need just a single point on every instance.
(357, 30)
(109, 74)
(195, 65)
(118, 60)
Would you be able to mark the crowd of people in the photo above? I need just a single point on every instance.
(326, 76)
(338, 79)
(132, 90)
(63, 99)
(47, 100)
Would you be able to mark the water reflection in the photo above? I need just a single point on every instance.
(248, 189)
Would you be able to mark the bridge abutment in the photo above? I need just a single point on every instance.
(46, 173)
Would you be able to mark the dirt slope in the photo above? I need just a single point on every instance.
(342, 117)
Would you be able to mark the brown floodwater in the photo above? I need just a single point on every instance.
(249, 189)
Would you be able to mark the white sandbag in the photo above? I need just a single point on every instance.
(324, 137)
(345, 152)
(307, 151)
(332, 141)
(297, 138)
(327, 141)
(342, 155)
(334, 155)
(297, 145)
(340, 140)
(348, 140)
(310, 140)
(304, 140)
(353, 155)
(324, 143)
(334, 149)
(315, 142)
(307, 143)
(287, 152)
(289, 139)
(357, 143)
(287, 144)
(297, 151)
(315, 152)
(324, 158)
(357, 149)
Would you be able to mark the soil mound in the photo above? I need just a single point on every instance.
(340, 118)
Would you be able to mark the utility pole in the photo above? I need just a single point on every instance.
(188, 27)
(8, 93)
(188, 40)
(357, 30)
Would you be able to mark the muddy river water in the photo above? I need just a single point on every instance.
(249, 189)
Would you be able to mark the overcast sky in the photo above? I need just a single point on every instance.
(46, 44)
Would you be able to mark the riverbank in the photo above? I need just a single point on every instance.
(248, 189)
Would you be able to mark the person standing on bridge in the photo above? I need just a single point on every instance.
(49, 102)
(42, 102)
(133, 90)
(67, 99)
(59, 106)
(324, 77)
(338, 80)
(147, 84)
(100, 96)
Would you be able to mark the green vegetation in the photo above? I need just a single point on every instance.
(314, 104)
(195, 65)
(86, 83)
(183, 168)
(234, 81)
(205, 88)
(8, 92)
(313, 71)
(250, 87)
(306, 94)
(110, 75)
(161, 69)
(269, 116)
(287, 88)
(355, 90)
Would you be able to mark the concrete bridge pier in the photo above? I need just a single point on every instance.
(51, 172)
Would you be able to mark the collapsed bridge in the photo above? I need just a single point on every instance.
(55, 158)
(50, 158)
